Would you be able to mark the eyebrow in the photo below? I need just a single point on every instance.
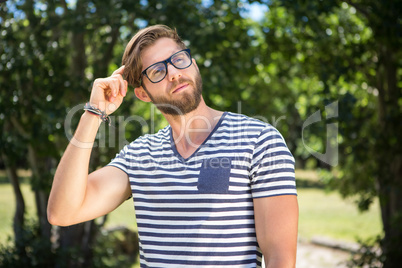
(175, 51)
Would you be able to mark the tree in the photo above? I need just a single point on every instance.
(52, 52)
(45, 68)
(349, 51)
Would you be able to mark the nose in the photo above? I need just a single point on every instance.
(173, 73)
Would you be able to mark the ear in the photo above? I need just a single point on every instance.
(141, 94)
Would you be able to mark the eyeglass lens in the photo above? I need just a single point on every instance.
(157, 72)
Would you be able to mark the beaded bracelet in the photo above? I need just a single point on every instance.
(102, 114)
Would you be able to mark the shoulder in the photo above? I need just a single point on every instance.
(161, 136)
(155, 140)
(258, 133)
(244, 123)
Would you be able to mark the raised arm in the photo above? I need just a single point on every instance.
(276, 223)
(76, 196)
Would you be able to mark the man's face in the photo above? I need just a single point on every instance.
(180, 91)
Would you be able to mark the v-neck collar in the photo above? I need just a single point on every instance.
(178, 155)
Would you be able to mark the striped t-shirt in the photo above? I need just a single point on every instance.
(198, 212)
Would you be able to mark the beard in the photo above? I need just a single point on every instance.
(188, 101)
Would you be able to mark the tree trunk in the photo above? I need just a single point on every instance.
(391, 211)
(79, 237)
(18, 221)
(41, 196)
(389, 157)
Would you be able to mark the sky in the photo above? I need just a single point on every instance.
(255, 10)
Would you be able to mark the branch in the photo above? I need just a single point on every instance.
(19, 127)
(359, 8)
(109, 50)
(29, 9)
(64, 3)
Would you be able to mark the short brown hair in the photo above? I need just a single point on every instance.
(143, 39)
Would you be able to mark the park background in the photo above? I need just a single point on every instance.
(325, 73)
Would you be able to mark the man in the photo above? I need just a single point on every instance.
(212, 189)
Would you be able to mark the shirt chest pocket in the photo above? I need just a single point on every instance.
(214, 175)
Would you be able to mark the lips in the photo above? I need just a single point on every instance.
(180, 87)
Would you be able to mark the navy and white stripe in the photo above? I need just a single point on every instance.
(198, 212)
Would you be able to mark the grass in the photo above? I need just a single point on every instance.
(7, 207)
(123, 215)
(321, 213)
(328, 215)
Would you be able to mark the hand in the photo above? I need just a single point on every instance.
(108, 93)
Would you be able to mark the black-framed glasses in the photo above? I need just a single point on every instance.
(158, 71)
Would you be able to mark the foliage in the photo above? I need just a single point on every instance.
(369, 254)
(303, 56)
(116, 247)
(352, 48)
(31, 251)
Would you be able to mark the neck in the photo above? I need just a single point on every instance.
(190, 130)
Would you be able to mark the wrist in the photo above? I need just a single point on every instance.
(97, 112)
(87, 115)
(86, 131)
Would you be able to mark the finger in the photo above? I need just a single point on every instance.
(122, 88)
(125, 87)
(115, 85)
(123, 84)
(119, 71)
(113, 88)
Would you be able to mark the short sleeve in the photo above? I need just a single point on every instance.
(272, 171)
(120, 161)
